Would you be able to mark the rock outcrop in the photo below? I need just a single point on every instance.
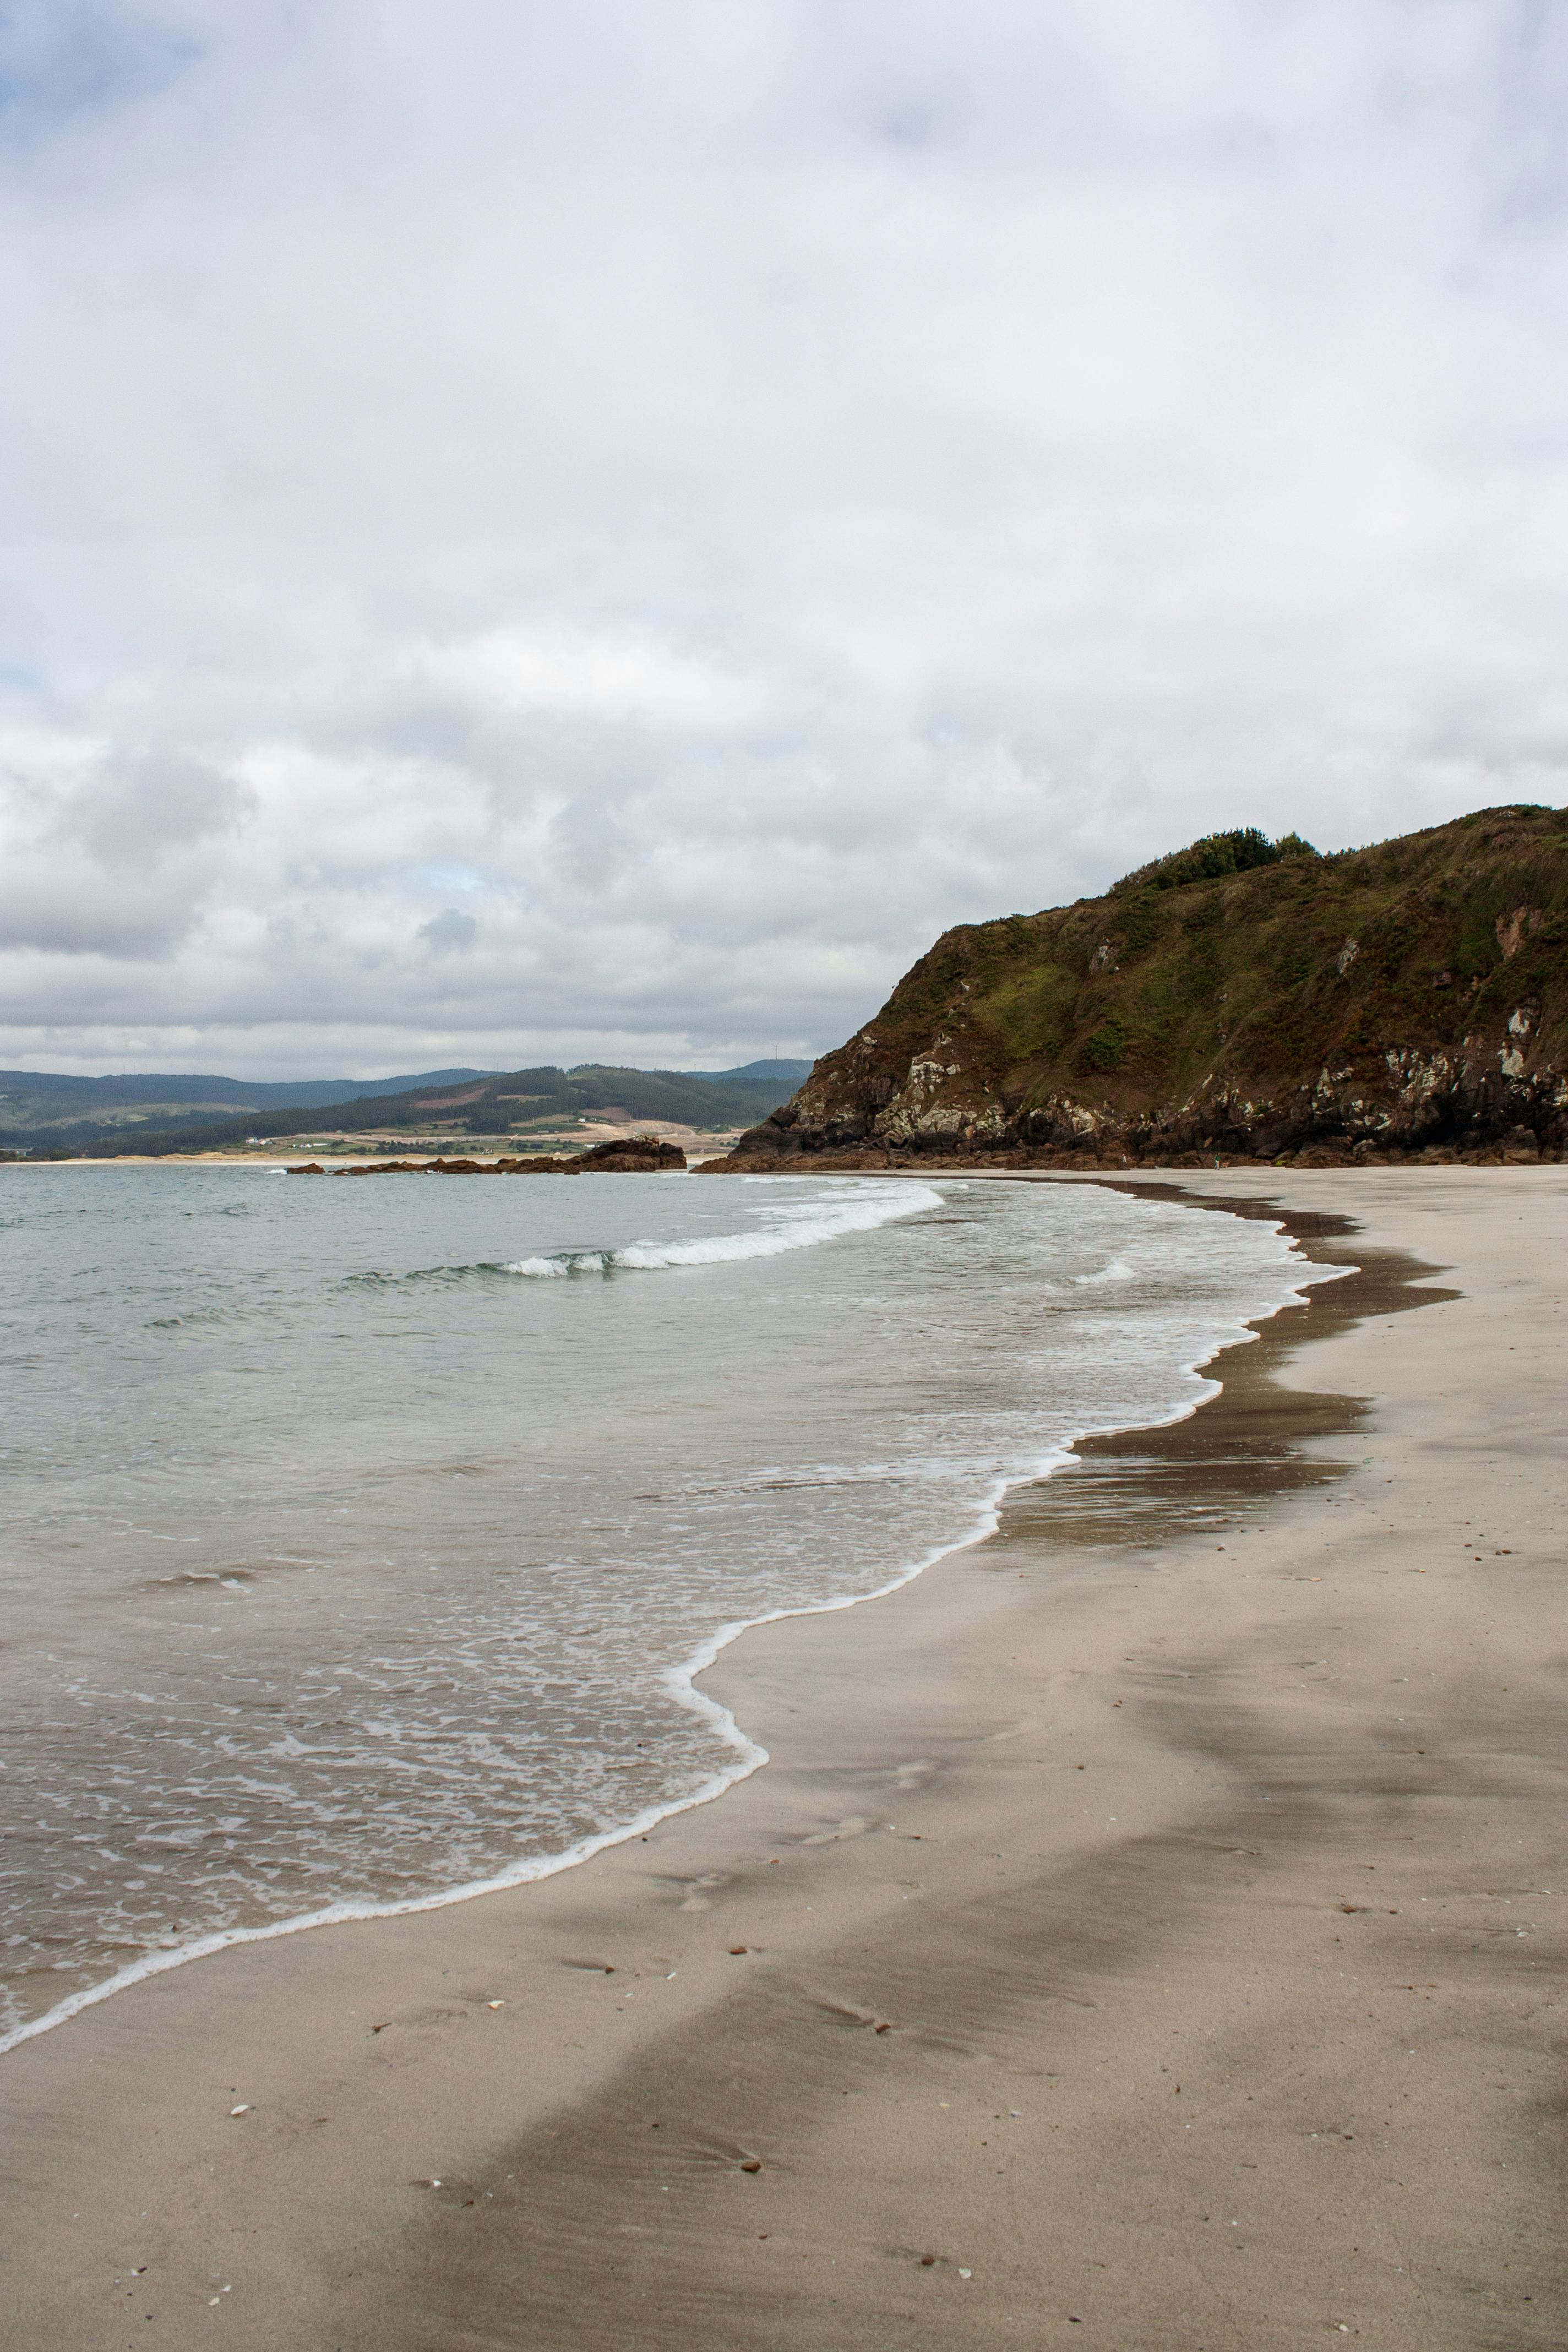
(639, 1155)
(1241, 999)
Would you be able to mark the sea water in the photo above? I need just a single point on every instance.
(360, 1537)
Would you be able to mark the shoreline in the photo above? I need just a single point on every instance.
(682, 1679)
(826, 2040)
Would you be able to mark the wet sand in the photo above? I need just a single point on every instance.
(1145, 1926)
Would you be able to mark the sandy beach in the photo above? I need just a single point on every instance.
(1148, 1931)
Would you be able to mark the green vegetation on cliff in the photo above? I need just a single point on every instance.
(1241, 996)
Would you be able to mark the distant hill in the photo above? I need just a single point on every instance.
(1240, 998)
(34, 1099)
(31, 1098)
(448, 1102)
(760, 1073)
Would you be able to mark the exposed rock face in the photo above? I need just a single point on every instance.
(639, 1155)
(1407, 1000)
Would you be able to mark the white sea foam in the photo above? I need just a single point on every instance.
(789, 1226)
(475, 1714)
(1116, 1270)
(681, 1683)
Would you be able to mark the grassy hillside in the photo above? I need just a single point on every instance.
(1240, 997)
(450, 1104)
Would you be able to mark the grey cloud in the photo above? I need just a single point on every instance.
(449, 932)
(137, 811)
(61, 59)
(67, 914)
(110, 857)
(770, 486)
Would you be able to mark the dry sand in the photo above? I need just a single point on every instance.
(1146, 1926)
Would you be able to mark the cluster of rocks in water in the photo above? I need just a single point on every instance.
(637, 1155)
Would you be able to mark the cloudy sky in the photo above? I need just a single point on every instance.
(593, 530)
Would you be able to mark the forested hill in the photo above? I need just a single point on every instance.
(49, 1098)
(477, 1102)
(1241, 998)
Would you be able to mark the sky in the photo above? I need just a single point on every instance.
(594, 532)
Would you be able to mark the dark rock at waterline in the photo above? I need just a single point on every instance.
(639, 1155)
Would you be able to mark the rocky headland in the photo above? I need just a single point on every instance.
(1240, 1000)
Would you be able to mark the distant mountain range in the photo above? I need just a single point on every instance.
(62, 1097)
(1239, 999)
(160, 1111)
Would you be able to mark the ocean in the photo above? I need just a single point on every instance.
(360, 1538)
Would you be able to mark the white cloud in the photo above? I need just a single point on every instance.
(541, 533)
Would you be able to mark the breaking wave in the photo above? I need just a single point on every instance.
(1116, 1269)
(791, 1225)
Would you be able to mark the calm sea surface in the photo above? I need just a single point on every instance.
(357, 1535)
